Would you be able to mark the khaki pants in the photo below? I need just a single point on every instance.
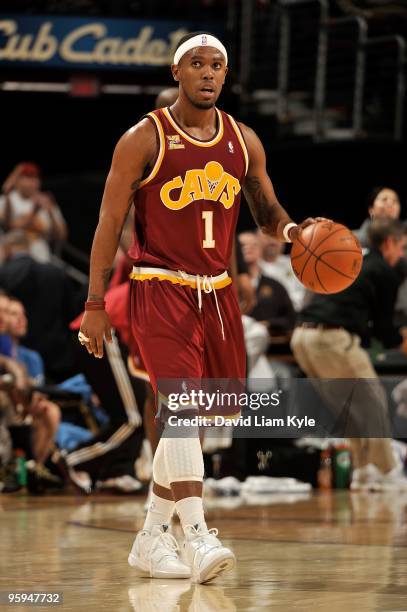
(335, 353)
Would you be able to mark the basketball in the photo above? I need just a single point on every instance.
(327, 257)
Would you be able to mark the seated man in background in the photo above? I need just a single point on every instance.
(274, 264)
(30, 407)
(384, 203)
(17, 329)
(51, 301)
(327, 345)
(5, 340)
(25, 207)
(274, 307)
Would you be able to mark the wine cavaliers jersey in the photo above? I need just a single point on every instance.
(186, 209)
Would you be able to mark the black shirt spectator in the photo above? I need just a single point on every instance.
(365, 308)
(50, 300)
(274, 306)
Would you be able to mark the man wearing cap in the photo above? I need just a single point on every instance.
(182, 168)
(25, 207)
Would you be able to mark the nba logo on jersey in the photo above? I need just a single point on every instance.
(230, 147)
(204, 40)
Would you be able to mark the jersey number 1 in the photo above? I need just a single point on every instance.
(208, 241)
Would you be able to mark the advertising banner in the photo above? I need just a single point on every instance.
(90, 43)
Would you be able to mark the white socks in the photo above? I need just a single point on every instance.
(159, 512)
(191, 512)
(189, 509)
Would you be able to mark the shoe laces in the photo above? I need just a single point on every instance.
(201, 541)
(168, 541)
(200, 536)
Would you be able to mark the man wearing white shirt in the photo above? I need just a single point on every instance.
(24, 206)
(275, 264)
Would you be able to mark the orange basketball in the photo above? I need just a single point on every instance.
(327, 257)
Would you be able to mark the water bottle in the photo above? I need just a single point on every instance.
(21, 468)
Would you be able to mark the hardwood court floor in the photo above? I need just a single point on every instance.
(322, 552)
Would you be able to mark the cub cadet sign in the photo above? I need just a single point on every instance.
(98, 43)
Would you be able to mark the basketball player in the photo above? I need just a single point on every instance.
(182, 168)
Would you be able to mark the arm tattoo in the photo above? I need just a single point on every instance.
(258, 204)
(269, 215)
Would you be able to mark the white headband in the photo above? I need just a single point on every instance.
(200, 40)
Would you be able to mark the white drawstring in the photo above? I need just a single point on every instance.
(206, 284)
(218, 309)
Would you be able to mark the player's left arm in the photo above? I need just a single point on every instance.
(270, 216)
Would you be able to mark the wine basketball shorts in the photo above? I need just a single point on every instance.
(186, 332)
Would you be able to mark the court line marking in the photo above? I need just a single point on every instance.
(314, 542)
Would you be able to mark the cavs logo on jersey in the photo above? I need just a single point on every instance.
(211, 183)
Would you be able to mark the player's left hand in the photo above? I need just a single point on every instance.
(95, 327)
(295, 232)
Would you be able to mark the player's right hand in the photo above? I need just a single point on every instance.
(295, 232)
(94, 327)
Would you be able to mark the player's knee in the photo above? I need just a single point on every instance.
(184, 459)
(160, 475)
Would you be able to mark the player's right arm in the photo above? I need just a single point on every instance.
(135, 151)
(270, 216)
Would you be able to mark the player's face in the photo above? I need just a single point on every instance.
(17, 321)
(201, 73)
(386, 205)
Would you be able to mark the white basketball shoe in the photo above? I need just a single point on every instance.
(155, 555)
(371, 478)
(205, 554)
(365, 478)
(394, 480)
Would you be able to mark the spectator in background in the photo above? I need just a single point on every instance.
(166, 97)
(274, 264)
(25, 207)
(30, 406)
(7, 363)
(327, 345)
(382, 203)
(274, 306)
(50, 300)
(17, 329)
(5, 340)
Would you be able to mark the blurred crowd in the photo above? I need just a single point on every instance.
(68, 420)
